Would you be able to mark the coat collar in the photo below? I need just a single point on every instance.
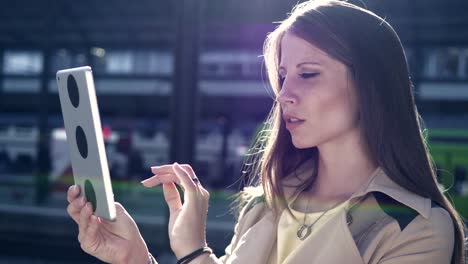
(379, 181)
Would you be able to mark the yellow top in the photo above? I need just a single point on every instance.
(287, 240)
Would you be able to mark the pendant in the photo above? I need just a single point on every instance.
(349, 218)
(304, 231)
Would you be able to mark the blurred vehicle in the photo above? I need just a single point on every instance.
(18, 147)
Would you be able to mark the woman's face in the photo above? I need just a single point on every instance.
(317, 97)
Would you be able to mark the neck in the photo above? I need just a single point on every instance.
(344, 167)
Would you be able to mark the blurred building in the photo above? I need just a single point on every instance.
(132, 48)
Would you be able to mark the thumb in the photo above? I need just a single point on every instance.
(124, 225)
(172, 196)
(123, 218)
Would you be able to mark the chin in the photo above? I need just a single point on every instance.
(302, 145)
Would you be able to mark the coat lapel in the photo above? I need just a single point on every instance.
(256, 243)
(330, 242)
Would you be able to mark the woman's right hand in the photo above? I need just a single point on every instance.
(116, 241)
(187, 220)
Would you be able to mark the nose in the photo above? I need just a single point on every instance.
(286, 97)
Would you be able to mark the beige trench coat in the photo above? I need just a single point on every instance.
(390, 226)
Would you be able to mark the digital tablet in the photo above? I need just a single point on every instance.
(85, 141)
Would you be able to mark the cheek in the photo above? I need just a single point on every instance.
(334, 110)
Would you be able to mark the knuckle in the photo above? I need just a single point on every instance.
(69, 191)
(188, 167)
(83, 213)
(70, 210)
(205, 192)
(83, 247)
(204, 195)
(74, 204)
(119, 208)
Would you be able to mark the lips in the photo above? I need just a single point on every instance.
(292, 121)
(288, 118)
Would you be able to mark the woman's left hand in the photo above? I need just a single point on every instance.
(187, 221)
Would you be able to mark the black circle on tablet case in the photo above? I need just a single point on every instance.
(81, 142)
(73, 91)
(90, 194)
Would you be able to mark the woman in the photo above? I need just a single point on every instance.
(345, 175)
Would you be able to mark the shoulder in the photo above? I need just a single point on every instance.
(398, 211)
(254, 196)
(410, 233)
(441, 224)
(437, 222)
(247, 199)
(407, 236)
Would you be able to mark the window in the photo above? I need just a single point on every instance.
(64, 59)
(233, 69)
(448, 63)
(151, 62)
(132, 61)
(230, 63)
(442, 63)
(464, 64)
(209, 69)
(119, 62)
(22, 62)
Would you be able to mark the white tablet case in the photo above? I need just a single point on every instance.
(84, 136)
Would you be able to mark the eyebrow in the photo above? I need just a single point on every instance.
(302, 63)
(307, 62)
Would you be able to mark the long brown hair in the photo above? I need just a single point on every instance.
(389, 120)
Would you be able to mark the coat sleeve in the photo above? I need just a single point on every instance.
(241, 226)
(424, 241)
(229, 248)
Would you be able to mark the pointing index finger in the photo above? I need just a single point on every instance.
(164, 169)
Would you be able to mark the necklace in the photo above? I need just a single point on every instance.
(304, 230)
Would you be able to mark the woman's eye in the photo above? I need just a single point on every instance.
(308, 75)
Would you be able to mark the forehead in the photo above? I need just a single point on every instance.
(295, 49)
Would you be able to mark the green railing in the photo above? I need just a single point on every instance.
(449, 149)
